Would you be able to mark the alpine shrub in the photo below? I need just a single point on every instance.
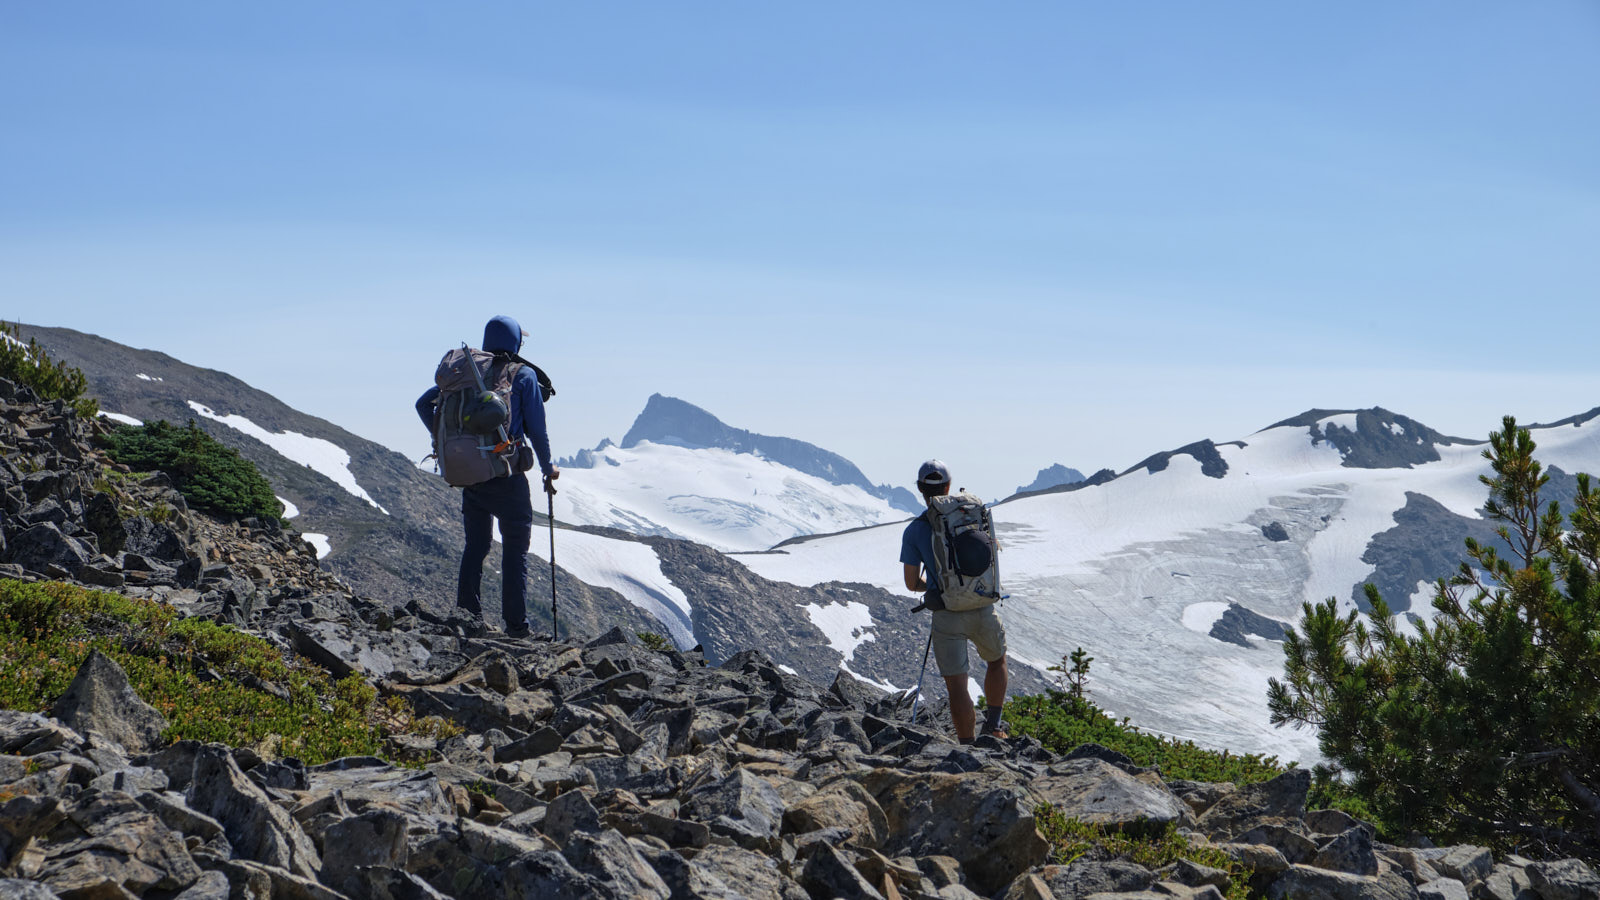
(1483, 725)
(28, 364)
(210, 475)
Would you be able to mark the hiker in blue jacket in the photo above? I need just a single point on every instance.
(507, 498)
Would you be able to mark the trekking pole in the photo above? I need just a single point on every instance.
(550, 517)
(917, 697)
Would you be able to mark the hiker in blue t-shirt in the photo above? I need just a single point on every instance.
(506, 498)
(952, 630)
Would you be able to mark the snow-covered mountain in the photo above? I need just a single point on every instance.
(681, 472)
(1178, 575)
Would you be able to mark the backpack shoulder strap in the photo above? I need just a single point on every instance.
(546, 389)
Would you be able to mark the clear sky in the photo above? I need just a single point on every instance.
(1076, 232)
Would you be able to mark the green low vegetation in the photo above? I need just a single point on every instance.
(1073, 840)
(1065, 718)
(1483, 726)
(209, 474)
(29, 365)
(211, 682)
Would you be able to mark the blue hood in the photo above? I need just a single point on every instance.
(502, 334)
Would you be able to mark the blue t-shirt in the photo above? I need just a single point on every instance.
(916, 547)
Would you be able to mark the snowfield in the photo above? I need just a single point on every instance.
(723, 499)
(1137, 570)
(631, 569)
(325, 457)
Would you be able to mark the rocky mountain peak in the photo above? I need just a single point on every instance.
(1373, 438)
(668, 420)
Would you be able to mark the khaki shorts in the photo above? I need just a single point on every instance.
(952, 631)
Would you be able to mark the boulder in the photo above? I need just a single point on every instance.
(258, 829)
(1465, 863)
(842, 804)
(44, 546)
(1283, 797)
(609, 857)
(100, 699)
(742, 806)
(569, 813)
(829, 874)
(984, 822)
(1085, 877)
(376, 838)
(1566, 879)
(17, 889)
(1310, 883)
(1097, 792)
(1504, 882)
(1443, 889)
(1350, 851)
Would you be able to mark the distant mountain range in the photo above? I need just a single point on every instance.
(1178, 575)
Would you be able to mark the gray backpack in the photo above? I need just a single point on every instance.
(470, 440)
(965, 553)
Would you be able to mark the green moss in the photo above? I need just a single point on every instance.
(47, 629)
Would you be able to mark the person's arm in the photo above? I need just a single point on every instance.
(533, 419)
(425, 405)
(914, 580)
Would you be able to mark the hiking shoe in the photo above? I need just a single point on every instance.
(522, 632)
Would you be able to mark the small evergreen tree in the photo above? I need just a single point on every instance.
(28, 364)
(1484, 725)
(210, 475)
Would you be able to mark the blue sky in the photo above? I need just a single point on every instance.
(1091, 231)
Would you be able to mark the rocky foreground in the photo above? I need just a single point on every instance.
(594, 769)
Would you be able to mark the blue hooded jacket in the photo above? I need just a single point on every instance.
(503, 334)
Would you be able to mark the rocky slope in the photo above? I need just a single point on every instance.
(597, 769)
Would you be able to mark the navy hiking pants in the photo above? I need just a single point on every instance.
(508, 500)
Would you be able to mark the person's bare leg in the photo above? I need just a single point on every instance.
(962, 712)
(994, 683)
(995, 680)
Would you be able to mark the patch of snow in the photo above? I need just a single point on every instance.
(119, 417)
(1347, 421)
(884, 686)
(143, 377)
(630, 568)
(846, 625)
(1398, 429)
(319, 541)
(784, 668)
(1199, 617)
(726, 500)
(325, 457)
(289, 509)
(11, 340)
